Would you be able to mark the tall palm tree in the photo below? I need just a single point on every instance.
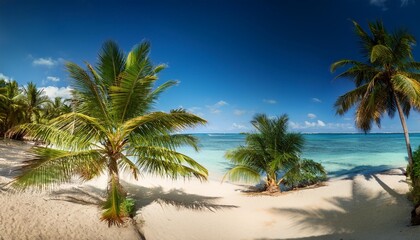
(386, 82)
(113, 129)
(11, 106)
(35, 102)
(273, 152)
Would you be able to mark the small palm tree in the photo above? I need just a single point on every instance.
(56, 107)
(35, 102)
(275, 153)
(386, 82)
(112, 129)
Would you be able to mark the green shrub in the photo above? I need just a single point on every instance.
(128, 207)
(414, 173)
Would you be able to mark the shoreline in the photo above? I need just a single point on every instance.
(361, 207)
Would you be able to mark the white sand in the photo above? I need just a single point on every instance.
(366, 207)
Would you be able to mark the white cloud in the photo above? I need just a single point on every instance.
(238, 112)
(238, 126)
(270, 101)
(52, 92)
(6, 78)
(215, 108)
(54, 79)
(307, 124)
(317, 100)
(321, 125)
(221, 103)
(196, 111)
(311, 116)
(47, 62)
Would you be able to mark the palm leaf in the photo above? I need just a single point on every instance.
(51, 167)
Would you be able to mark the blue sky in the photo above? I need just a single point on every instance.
(233, 58)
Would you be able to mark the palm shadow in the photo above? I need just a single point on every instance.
(176, 197)
(350, 213)
(143, 196)
(365, 170)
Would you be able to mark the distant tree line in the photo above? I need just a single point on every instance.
(26, 104)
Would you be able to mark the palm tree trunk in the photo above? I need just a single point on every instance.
(271, 186)
(113, 174)
(405, 129)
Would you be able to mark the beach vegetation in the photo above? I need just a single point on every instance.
(12, 107)
(273, 153)
(112, 128)
(386, 81)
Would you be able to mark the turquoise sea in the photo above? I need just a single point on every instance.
(341, 154)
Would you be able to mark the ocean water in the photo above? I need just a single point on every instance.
(341, 154)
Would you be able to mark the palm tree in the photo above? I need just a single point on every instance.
(11, 106)
(273, 152)
(385, 83)
(35, 102)
(56, 107)
(113, 129)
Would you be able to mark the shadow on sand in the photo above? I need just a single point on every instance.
(366, 213)
(143, 196)
(175, 197)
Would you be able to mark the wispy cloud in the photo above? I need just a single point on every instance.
(311, 116)
(47, 62)
(322, 126)
(6, 78)
(379, 3)
(307, 124)
(215, 108)
(316, 100)
(270, 101)
(236, 126)
(238, 112)
(196, 111)
(52, 92)
(382, 4)
(54, 79)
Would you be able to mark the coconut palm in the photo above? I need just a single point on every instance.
(56, 107)
(386, 82)
(275, 153)
(113, 129)
(11, 106)
(35, 102)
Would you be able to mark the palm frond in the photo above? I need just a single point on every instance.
(51, 167)
(87, 88)
(348, 100)
(165, 162)
(128, 166)
(407, 87)
(160, 122)
(111, 63)
(381, 53)
(242, 173)
(112, 211)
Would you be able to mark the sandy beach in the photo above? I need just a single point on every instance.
(363, 207)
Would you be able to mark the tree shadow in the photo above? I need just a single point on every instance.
(86, 195)
(143, 196)
(176, 197)
(365, 170)
(364, 212)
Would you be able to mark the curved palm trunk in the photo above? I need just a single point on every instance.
(271, 185)
(405, 129)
